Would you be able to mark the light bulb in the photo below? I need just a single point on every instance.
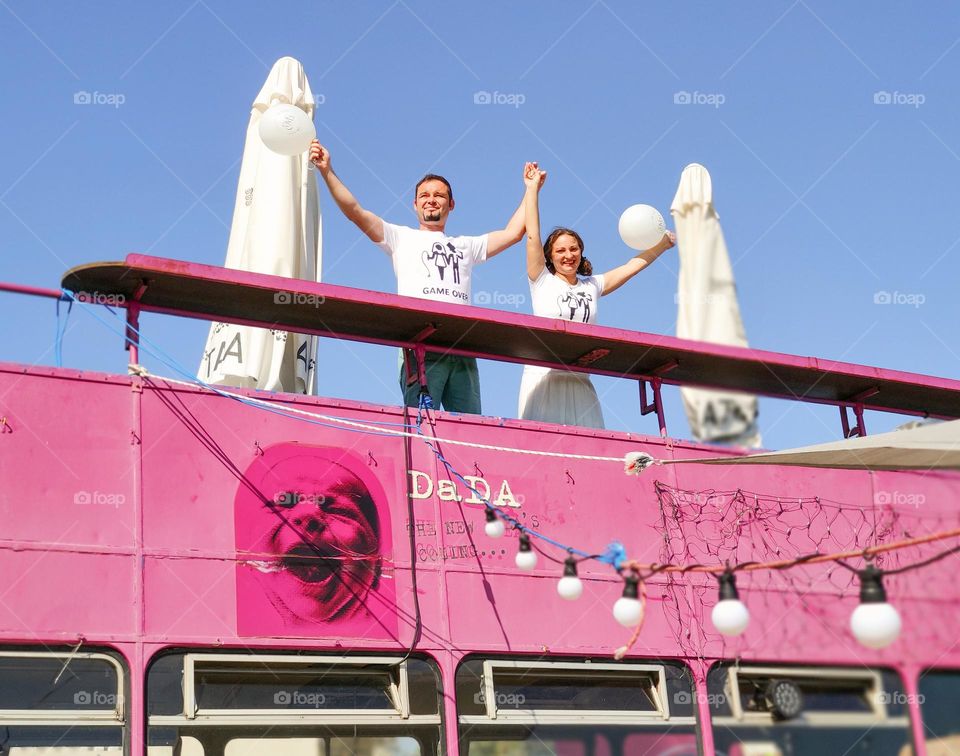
(730, 615)
(569, 586)
(526, 557)
(494, 527)
(875, 623)
(628, 610)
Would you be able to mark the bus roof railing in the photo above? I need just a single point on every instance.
(187, 289)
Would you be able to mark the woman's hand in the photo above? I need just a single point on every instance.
(533, 177)
(669, 240)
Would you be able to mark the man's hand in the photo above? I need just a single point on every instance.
(669, 240)
(533, 177)
(320, 157)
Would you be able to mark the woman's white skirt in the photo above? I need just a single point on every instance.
(559, 396)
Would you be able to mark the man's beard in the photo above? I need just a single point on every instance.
(431, 215)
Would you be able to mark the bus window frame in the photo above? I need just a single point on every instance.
(877, 717)
(192, 715)
(922, 702)
(84, 717)
(660, 697)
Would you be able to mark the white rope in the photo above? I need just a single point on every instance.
(376, 428)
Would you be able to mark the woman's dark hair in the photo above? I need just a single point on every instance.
(585, 269)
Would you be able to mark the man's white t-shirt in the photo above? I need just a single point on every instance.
(431, 265)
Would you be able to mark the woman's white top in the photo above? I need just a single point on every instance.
(560, 396)
(553, 297)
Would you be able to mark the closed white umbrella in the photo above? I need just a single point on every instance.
(927, 447)
(934, 446)
(708, 310)
(276, 229)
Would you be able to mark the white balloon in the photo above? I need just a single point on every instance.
(641, 227)
(286, 129)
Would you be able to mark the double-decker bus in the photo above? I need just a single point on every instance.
(193, 571)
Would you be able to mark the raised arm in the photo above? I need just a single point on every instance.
(370, 223)
(617, 277)
(533, 179)
(497, 241)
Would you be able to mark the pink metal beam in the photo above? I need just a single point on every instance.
(209, 292)
(33, 291)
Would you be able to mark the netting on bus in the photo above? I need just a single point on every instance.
(739, 527)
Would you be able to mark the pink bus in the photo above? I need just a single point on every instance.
(190, 571)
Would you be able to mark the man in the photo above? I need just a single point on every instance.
(429, 265)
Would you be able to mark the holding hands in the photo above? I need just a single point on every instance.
(533, 177)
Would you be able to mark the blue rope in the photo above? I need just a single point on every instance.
(61, 330)
(611, 555)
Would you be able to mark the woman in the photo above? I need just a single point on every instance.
(562, 285)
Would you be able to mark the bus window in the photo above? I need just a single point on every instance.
(940, 704)
(518, 707)
(61, 703)
(374, 747)
(781, 711)
(286, 746)
(230, 704)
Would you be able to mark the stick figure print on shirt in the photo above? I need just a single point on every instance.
(443, 258)
(576, 302)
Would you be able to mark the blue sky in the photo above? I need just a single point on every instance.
(830, 130)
